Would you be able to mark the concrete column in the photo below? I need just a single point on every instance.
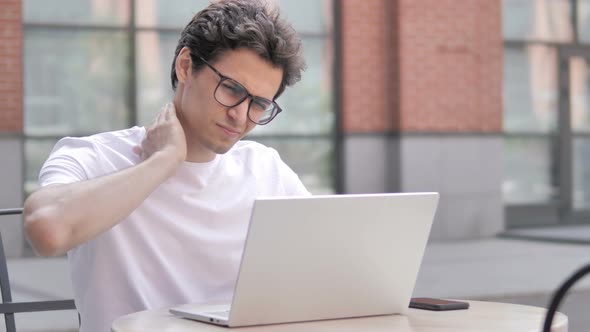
(11, 193)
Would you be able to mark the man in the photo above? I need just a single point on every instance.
(154, 217)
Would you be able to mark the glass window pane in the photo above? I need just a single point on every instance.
(308, 16)
(547, 20)
(584, 20)
(76, 82)
(36, 152)
(530, 172)
(579, 96)
(581, 170)
(164, 13)
(155, 51)
(96, 12)
(307, 106)
(530, 89)
(311, 158)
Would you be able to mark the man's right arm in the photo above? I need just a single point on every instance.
(60, 217)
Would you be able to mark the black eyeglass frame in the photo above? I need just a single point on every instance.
(276, 110)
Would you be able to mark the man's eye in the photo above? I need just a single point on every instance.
(233, 88)
(260, 105)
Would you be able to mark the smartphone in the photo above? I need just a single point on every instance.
(437, 304)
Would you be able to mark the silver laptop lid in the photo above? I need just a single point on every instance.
(334, 256)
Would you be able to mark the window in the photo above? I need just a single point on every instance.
(101, 65)
(546, 20)
(546, 118)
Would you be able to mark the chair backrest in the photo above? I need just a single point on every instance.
(9, 308)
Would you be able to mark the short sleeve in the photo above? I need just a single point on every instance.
(292, 185)
(71, 160)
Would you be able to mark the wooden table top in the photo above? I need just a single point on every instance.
(481, 316)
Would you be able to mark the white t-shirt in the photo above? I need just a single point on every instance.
(183, 244)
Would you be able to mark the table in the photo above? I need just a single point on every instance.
(481, 316)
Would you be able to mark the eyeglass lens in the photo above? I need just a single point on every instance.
(231, 93)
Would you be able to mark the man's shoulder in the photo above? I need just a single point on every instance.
(265, 163)
(107, 145)
(130, 136)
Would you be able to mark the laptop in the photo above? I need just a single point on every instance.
(326, 257)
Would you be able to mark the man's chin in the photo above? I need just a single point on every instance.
(222, 149)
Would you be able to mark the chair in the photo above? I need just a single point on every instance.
(560, 294)
(9, 308)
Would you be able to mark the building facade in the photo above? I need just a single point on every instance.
(483, 101)
(421, 106)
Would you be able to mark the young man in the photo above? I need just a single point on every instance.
(154, 217)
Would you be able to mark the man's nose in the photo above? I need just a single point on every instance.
(239, 113)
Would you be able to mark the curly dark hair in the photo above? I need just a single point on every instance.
(232, 24)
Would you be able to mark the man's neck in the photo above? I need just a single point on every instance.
(198, 154)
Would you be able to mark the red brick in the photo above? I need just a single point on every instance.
(430, 69)
(11, 72)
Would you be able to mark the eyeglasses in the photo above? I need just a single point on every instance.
(230, 93)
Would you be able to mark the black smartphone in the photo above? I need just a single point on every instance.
(437, 304)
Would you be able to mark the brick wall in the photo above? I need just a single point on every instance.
(11, 68)
(367, 56)
(422, 66)
(451, 65)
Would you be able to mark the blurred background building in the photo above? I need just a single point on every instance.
(485, 101)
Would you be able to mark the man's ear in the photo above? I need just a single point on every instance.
(183, 64)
